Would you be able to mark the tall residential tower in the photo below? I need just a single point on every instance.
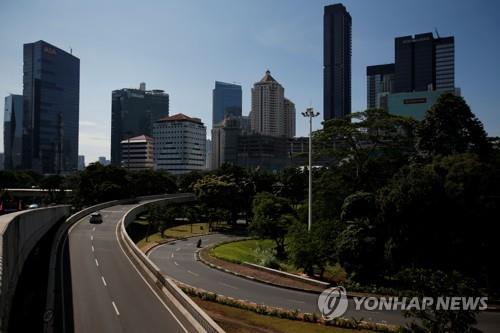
(337, 45)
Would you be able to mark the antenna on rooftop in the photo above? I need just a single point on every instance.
(437, 33)
(70, 50)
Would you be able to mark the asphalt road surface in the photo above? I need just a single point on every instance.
(177, 260)
(109, 294)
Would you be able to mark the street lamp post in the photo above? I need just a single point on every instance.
(311, 114)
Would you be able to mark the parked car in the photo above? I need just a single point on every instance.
(95, 218)
(33, 206)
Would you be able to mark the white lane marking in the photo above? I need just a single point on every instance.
(145, 281)
(176, 264)
(193, 273)
(194, 255)
(172, 256)
(92, 248)
(92, 237)
(96, 262)
(104, 281)
(116, 309)
(228, 285)
(93, 229)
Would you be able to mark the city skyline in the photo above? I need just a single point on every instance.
(249, 41)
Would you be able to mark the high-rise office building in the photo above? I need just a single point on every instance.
(337, 45)
(51, 92)
(424, 63)
(102, 160)
(13, 132)
(226, 101)
(133, 113)
(81, 162)
(267, 114)
(379, 83)
(180, 144)
(225, 141)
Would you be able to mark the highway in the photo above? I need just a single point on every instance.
(109, 294)
(177, 260)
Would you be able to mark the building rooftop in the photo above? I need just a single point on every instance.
(267, 77)
(180, 117)
(138, 138)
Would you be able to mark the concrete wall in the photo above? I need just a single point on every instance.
(153, 274)
(19, 233)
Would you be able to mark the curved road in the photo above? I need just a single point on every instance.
(177, 260)
(109, 294)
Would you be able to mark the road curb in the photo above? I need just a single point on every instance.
(204, 261)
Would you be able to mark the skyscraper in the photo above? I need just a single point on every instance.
(51, 92)
(226, 101)
(424, 63)
(337, 45)
(81, 162)
(13, 132)
(267, 114)
(379, 83)
(133, 113)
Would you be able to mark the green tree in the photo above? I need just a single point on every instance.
(188, 180)
(450, 127)
(360, 136)
(150, 182)
(312, 250)
(436, 283)
(221, 194)
(271, 218)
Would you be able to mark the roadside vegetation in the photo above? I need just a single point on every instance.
(236, 320)
(398, 204)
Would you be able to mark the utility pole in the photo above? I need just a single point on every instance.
(311, 114)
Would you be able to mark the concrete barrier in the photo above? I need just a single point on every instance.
(19, 233)
(153, 273)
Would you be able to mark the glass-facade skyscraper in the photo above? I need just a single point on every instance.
(379, 83)
(13, 131)
(226, 99)
(337, 45)
(424, 63)
(133, 112)
(51, 93)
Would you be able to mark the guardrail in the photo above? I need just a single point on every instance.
(151, 271)
(19, 234)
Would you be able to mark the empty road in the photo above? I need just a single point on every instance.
(177, 260)
(109, 294)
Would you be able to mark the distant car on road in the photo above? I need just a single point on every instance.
(33, 206)
(95, 218)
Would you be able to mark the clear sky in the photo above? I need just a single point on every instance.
(183, 46)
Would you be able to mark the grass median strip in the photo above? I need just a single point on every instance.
(233, 319)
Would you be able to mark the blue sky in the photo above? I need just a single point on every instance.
(184, 46)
